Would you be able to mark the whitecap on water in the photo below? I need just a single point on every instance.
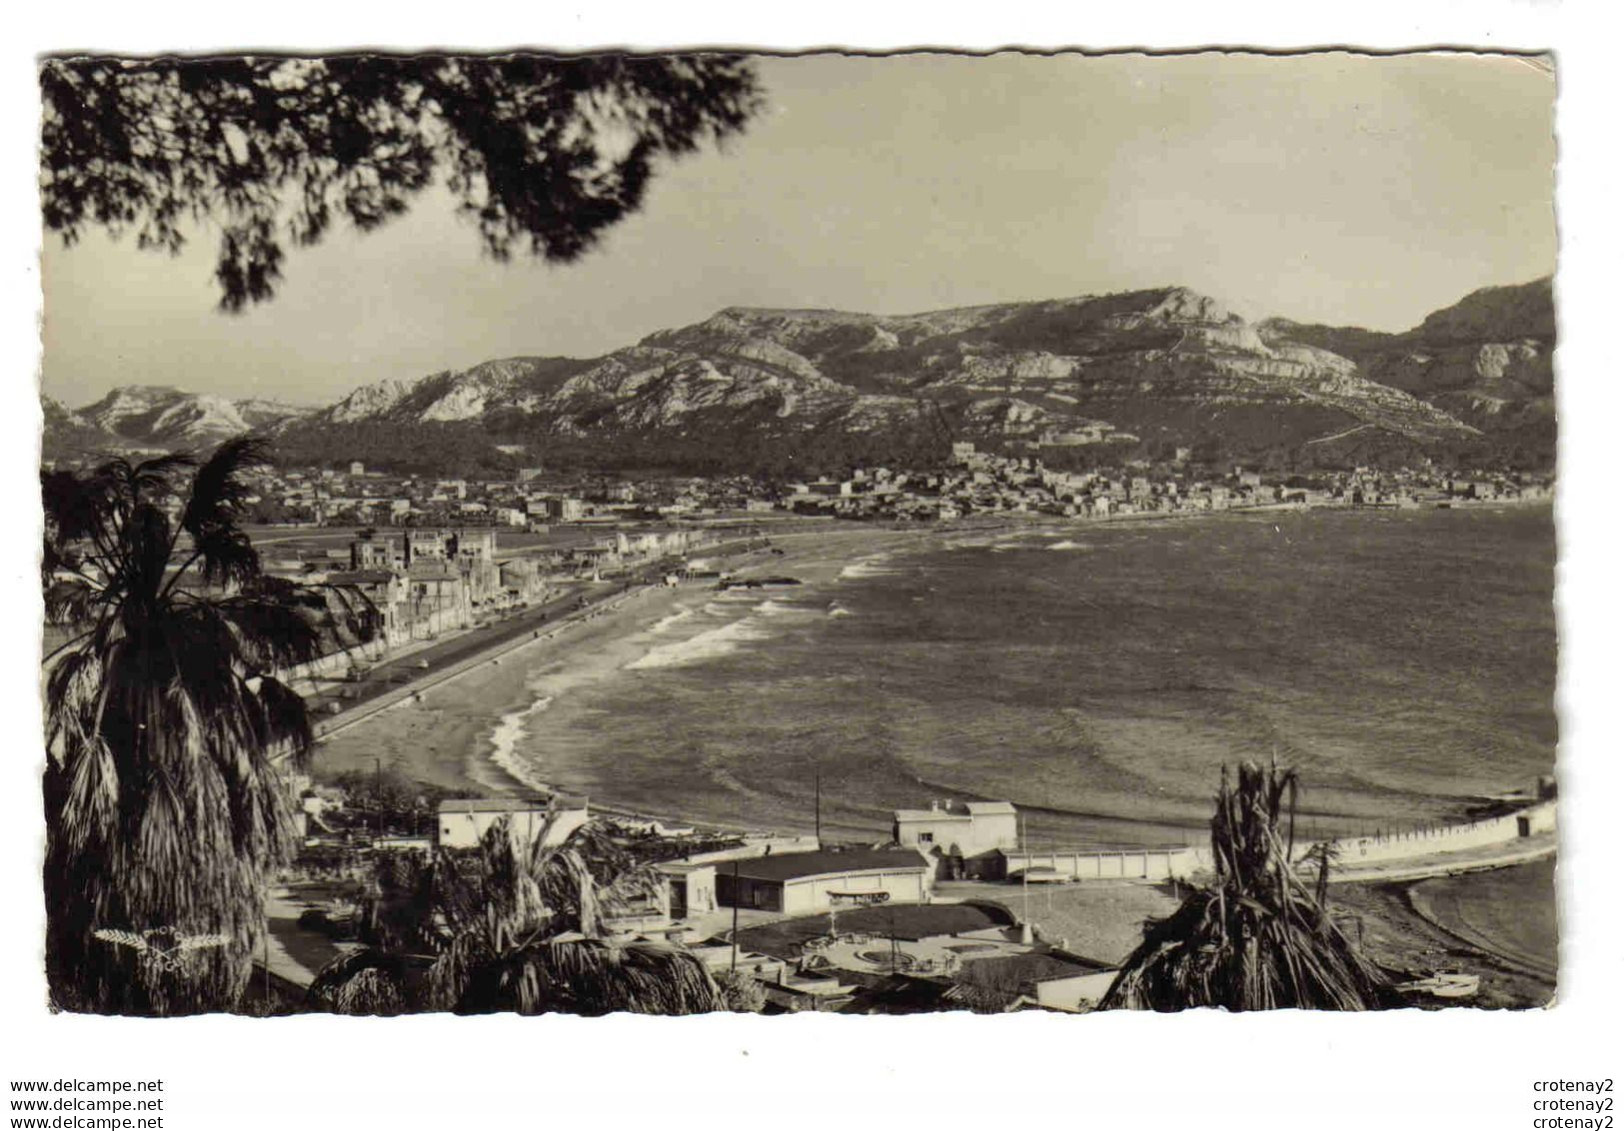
(664, 623)
(869, 567)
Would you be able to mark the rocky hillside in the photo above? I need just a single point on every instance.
(158, 416)
(60, 416)
(1139, 372)
(1167, 367)
(1487, 361)
(68, 433)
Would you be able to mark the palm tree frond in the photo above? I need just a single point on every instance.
(511, 927)
(163, 809)
(218, 490)
(70, 601)
(591, 977)
(1256, 938)
(363, 983)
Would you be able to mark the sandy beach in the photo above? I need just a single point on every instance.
(460, 734)
(447, 737)
(1422, 926)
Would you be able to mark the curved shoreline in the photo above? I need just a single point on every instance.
(1398, 934)
(1512, 957)
(415, 689)
(453, 749)
(442, 731)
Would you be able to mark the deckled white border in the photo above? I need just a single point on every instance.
(1453, 1069)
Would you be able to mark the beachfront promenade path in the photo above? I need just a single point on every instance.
(418, 669)
(402, 677)
(1507, 854)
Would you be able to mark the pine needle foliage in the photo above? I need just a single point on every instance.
(1257, 937)
(164, 811)
(542, 153)
(514, 926)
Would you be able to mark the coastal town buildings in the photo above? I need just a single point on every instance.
(969, 482)
(387, 553)
(432, 556)
(690, 888)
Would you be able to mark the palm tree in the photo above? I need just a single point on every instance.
(515, 925)
(1256, 938)
(164, 811)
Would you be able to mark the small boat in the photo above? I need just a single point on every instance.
(1443, 986)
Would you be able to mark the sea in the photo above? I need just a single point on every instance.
(1508, 911)
(1098, 675)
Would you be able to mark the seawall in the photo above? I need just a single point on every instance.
(1515, 837)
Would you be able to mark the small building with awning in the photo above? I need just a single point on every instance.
(800, 883)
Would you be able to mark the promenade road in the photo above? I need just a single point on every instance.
(416, 667)
(1503, 855)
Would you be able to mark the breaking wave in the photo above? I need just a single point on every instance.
(665, 623)
(696, 649)
(771, 608)
(868, 567)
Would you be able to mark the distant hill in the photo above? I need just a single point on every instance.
(68, 433)
(779, 390)
(1486, 360)
(747, 387)
(157, 418)
(168, 417)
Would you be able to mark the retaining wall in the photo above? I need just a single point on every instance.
(1154, 864)
(1142, 864)
(1428, 842)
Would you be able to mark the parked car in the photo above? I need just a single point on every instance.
(1040, 875)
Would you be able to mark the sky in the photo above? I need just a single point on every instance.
(1348, 189)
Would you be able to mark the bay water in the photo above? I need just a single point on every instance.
(1098, 675)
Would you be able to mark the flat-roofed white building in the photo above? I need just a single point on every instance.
(690, 887)
(807, 882)
(963, 838)
(463, 822)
